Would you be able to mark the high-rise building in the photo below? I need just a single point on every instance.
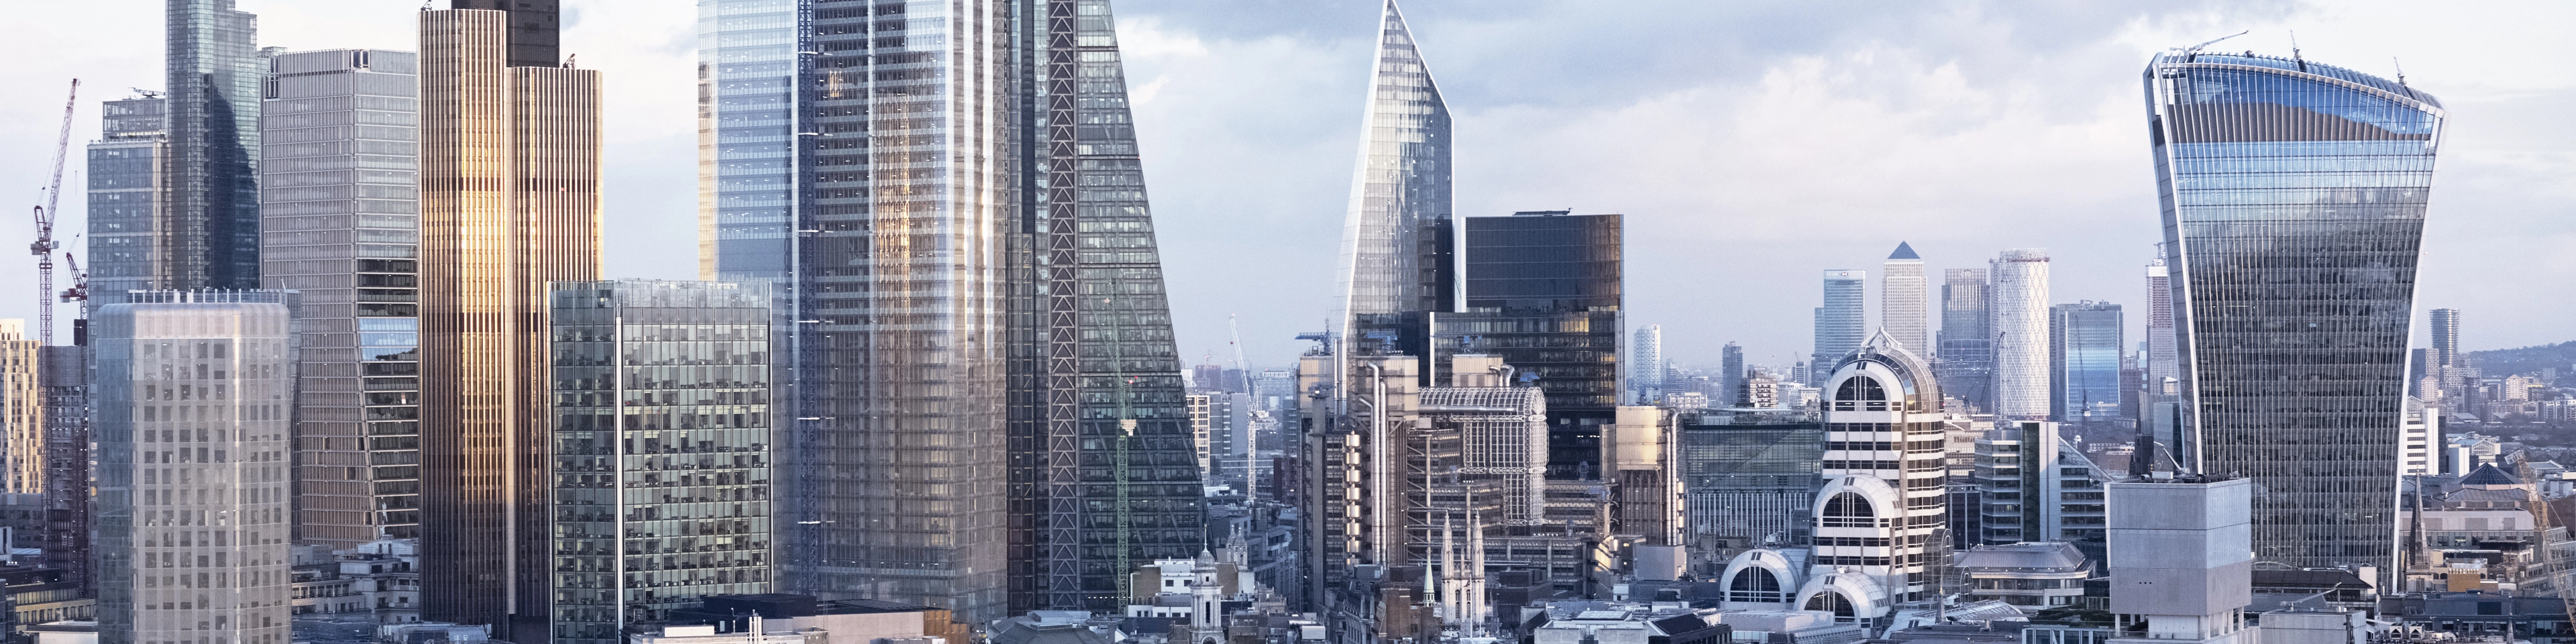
(509, 201)
(193, 392)
(67, 463)
(1397, 239)
(340, 224)
(2029, 489)
(535, 26)
(1645, 361)
(2160, 361)
(210, 237)
(1544, 293)
(22, 411)
(2443, 361)
(2020, 330)
(1966, 357)
(2085, 345)
(1841, 324)
(663, 442)
(1730, 375)
(1905, 300)
(1885, 502)
(2294, 195)
(980, 352)
(129, 217)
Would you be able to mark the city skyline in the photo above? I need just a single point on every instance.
(1177, 50)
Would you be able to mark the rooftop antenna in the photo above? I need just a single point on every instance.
(2194, 49)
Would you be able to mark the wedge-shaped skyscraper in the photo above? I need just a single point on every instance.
(2294, 197)
(1396, 241)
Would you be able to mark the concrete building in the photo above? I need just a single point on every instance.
(662, 444)
(510, 201)
(340, 224)
(67, 497)
(1842, 323)
(1905, 300)
(849, 621)
(376, 582)
(2031, 489)
(22, 411)
(1645, 475)
(2180, 552)
(2037, 575)
(2020, 329)
(192, 394)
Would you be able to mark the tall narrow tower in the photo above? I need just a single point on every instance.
(1967, 353)
(1842, 323)
(1396, 240)
(509, 201)
(2294, 199)
(1905, 300)
(2020, 329)
(1646, 362)
(211, 238)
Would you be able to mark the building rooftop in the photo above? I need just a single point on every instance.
(2043, 557)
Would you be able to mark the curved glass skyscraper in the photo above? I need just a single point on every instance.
(1396, 246)
(2294, 199)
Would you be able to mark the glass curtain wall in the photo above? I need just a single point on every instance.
(1396, 251)
(2294, 200)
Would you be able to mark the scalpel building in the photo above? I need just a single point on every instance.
(2293, 197)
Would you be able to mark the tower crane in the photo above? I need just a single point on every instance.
(1239, 365)
(44, 246)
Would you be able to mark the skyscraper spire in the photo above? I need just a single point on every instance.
(1396, 245)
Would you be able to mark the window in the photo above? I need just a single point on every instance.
(1754, 585)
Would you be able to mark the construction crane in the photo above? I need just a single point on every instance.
(79, 292)
(44, 246)
(1239, 365)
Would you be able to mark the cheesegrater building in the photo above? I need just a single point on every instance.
(2294, 198)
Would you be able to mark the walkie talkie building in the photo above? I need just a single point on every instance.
(2294, 198)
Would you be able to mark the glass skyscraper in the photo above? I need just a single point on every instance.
(211, 239)
(1843, 322)
(947, 198)
(2085, 344)
(1904, 297)
(1966, 359)
(2294, 197)
(2019, 324)
(1545, 293)
(340, 222)
(129, 221)
(663, 439)
(1396, 241)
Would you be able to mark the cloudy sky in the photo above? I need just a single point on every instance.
(1750, 144)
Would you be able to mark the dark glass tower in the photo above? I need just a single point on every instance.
(211, 239)
(1967, 352)
(536, 34)
(988, 406)
(2294, 197)
(1544, 292)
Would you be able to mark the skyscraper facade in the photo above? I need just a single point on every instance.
(340, 224)
(193, 392)
(535, 26)
(1730, 376)
(663, 435)
(2020, 332)
(1544, 293)
(2161, 363)
(1842, 323)
(2085, 344)
(1966, 358)
(211, 233)
(68, 504)
(22, 411)
(994, 328)
(130, 231)
(2294, 199)
(2443, 360)
(1646, 360)
(509, 201)
(1905, 299)
(1396, 240)
(1885, 502)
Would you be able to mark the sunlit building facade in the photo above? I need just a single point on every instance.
(1905, 299)
(210, 233)
(2294, 200)
(2019, 295)
(1396, 239)
(2086, 341)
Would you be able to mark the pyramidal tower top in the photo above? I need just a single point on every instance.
(1395, 239)
(1904, 251)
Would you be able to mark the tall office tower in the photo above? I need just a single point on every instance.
(2443, 361)
(2031, 490)
(1396, 241)
(67, 468)
(2297, 284)
(1967, 353)
(2160, 362)
(2020, 332)
(1544, 293)
(535, 28)
(130, 231)
(1841, 324)
(1353, 467)
(1884, 482)
(211, 238)
(22, 411)
(2085, 346)
(1646, 474)
(1646, 360)
(510, 175)
(663, 435)
(1730, 375)
(1905, 300)
(2189, 536)
(339, 223)
(193, 393)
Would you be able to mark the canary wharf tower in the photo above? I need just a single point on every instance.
(2294, 197)
(948, 200)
